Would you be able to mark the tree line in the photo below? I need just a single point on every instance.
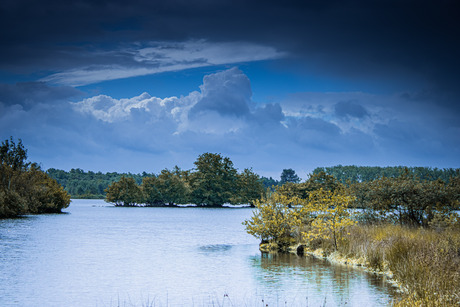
(82, 184)
(352, 173)
(24, 187)
(88, 184)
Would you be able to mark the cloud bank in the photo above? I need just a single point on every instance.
(302, 131)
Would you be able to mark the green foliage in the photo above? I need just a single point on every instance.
(82, 184)
(150, 192)
(331, 217)
(249, 187)
(281, 218)
(354, 174)
(405, 200)
(215, 180)
(269, 183)
(124, 192)
(315, 182)
(289, 175)
(275, 219)
(24, 187)
(173, 187)
(13, 155)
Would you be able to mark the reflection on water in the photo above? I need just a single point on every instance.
(212, 248)
(99, 255)
(307, 281)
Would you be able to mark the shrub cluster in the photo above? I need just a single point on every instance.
(24, 187)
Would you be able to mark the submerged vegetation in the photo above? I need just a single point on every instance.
(24, 187)
(403, 226)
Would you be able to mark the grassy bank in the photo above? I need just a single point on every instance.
(425, 263)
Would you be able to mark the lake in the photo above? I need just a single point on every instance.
(100, 255)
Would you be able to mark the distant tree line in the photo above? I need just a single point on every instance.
(353, 174)
(81, 184)
(24, 187)
(213, 182)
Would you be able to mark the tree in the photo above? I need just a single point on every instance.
(269, 183)
(275, 220)
(215, 180)
(124, 192)
(150, 192)
(24, 187)
(172, 187)
(43, 194)
(315, 182)
(13, 155)
(289, 175)
(406, 199)
(330, 215)
(250, 187)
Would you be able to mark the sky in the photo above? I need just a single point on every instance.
(143, 85)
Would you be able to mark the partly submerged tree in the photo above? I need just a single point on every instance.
(283, 220)
(275, 220)
(124, 192)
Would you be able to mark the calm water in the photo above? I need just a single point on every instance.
(99, 255)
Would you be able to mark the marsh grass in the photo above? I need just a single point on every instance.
(424, 262)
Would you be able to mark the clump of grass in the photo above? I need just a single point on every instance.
(425, 262)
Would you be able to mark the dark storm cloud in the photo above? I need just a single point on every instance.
(362, 39)
(27, 94)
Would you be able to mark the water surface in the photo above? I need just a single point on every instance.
(100, 255)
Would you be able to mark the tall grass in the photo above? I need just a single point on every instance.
(425, 262)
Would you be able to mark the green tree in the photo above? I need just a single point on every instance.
(315, 182)
(24, 187)
(250, 187)
(406, 199)
(215, 180)
(43, 194)
(289, 175)
(172, 186)
(124, 192)
(151, 193)
(331, 216)
(275, 220)
(269, 183)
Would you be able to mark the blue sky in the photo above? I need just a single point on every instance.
(146, 85)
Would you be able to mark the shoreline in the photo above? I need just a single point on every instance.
(336, 258)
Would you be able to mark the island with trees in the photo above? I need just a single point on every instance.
(213, 183)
